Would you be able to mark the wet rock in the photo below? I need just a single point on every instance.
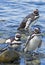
(8, 56)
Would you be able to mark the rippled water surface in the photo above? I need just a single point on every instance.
(12, 13)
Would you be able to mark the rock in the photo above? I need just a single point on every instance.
(8, 55)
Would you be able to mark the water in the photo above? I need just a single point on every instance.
(12, 13)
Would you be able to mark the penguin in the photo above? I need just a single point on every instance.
(34, 41)
(29, 19)
(14, 42)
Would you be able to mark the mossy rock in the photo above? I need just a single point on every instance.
(33, 62)
(8, 55)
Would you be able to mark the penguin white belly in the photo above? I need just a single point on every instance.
(33, 43)
(15, 45)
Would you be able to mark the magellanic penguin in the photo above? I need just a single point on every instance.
(34, 41)
(16, 41)
(28, 20)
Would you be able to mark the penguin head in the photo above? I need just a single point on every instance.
(17, 36)
(37, 30)
(36, 12)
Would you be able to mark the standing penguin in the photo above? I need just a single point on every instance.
(34, 41)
